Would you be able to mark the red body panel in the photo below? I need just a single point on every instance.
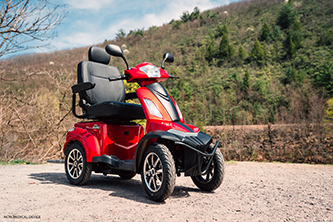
(144, 93)
(161, 125)
(125, 139)
(99, 138)
(154, 122)
(86, 137)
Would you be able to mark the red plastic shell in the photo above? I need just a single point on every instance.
(136, 75)
(86, 137)
(99, 138)
(155, 123)
(144, 93)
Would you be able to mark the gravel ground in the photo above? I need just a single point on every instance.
(250, 192)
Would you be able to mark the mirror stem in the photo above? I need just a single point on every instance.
(127, 64)
(123, 57)
(162, 66)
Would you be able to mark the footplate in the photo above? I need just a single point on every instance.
(114, 162)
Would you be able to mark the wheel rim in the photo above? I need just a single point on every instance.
(208, 176)
(75, 163)
(153, 172)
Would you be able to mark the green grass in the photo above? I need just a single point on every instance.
(17, 162)
(229, 162)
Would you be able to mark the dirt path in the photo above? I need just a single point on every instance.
(250, 192)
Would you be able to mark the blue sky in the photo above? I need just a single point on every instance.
(92, 21)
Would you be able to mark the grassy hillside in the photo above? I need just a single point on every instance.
(251, 62)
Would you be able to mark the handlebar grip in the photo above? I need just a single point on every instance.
(173, 77)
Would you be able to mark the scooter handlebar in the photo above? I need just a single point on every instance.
(127, 77)
(173, 77)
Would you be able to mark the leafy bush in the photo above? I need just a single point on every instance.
(257, 53)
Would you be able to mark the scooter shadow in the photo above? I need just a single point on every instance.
(129, 189)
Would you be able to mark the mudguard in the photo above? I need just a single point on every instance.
(156, 134)
(195, 145)
(89, 142)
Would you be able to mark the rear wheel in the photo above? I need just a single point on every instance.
(213, 178)
(77, 169)
(158, 172)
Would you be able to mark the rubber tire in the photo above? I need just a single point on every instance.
(169, 172)
(126, 175)
(87, 167)
(217, 178)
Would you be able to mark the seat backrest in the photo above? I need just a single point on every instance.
(97, 71)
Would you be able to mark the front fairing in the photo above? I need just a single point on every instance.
(161, 111)
(169, 115)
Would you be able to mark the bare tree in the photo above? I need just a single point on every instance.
(25, 21)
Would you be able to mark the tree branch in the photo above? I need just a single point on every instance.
(24, 21)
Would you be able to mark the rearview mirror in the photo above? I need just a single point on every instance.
(115, 50)
(167, 57)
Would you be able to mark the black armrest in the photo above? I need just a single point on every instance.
(82, 86)
(131, 95)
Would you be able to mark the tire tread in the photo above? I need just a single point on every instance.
(218, 174)
(170, 174)
(87, 169)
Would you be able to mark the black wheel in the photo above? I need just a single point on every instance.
(77, 169)
(126, 175)
(213, 178)
(158, 172)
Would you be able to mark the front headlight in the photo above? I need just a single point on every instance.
(152, 108)
(150, 70)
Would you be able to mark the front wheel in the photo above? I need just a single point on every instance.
(158, 172)
(78, 170)
(213, 178)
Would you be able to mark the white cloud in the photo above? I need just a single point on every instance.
(79, 39)
(174, 10)
(89, 4)
(109, 16)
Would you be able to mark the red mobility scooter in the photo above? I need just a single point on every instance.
(111, 143)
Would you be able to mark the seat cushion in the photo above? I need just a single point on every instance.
(112, 110)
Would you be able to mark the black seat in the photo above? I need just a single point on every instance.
(99, 98)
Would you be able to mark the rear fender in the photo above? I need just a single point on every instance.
(145, 141)
(89, 142)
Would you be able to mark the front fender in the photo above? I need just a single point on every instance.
(88, 140)
(144, 142)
